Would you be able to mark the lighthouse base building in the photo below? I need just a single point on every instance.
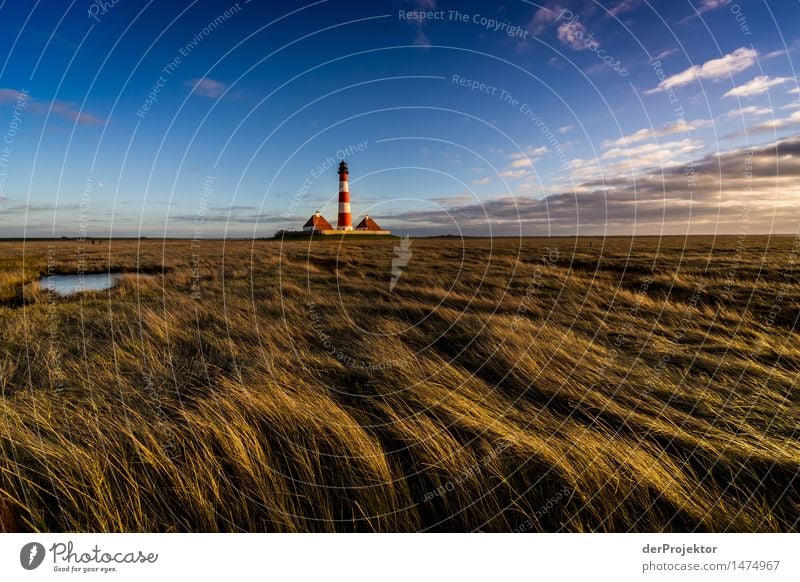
(317, 225)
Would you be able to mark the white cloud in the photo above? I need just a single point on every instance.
(522, 162)
(515, 174)
(574, 35)
(666, 53)
(707, 5)
(545, 16)
(565, 129)
(756, 86)
(421, 39)
(715, 69)
(530, 152)
(750, 110)
(11, 95)
(622, 160)
(63, 109)
(206, 87)
(776, 124)
(570, 31)
(649, 154)
(672, 128)
(482, 181)
(625, 6)
(703, 7)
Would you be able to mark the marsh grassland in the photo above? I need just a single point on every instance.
(503, 385)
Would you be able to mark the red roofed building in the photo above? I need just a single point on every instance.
(317, 222)
(368, 224)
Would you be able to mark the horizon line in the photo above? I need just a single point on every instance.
(478, 236)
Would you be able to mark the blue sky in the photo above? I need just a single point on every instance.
(213, 118)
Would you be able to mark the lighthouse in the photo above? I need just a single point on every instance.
(318, 226)
(345, 218)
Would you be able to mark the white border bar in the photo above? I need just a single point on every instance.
(409, 557)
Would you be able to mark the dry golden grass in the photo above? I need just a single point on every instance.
(505, 385)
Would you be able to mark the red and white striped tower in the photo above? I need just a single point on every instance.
(345, 218)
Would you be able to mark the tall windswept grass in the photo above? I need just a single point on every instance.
(506, 385)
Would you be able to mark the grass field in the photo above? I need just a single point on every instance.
(503, 385)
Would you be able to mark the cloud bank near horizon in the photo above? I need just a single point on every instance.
(740, 191)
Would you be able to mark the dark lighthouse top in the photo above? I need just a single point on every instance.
(342, 168)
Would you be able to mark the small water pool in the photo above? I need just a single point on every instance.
(72, 284)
